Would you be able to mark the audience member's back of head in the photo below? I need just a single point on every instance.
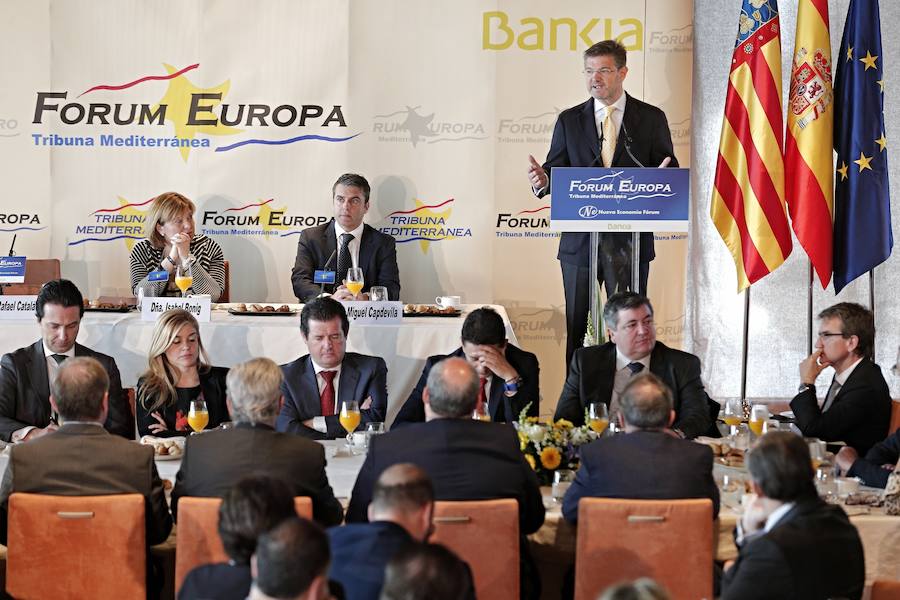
(402, 487)
(646, 402)
(291, 558)
(484, 326)
(253, 506)
(639, 589)
(427, 572)
(452, 388)
(254, 390)
(80, 385)
(780, 465)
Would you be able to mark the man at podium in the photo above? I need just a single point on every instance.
(611, 129)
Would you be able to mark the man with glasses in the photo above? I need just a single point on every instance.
(611, 129)
(857, 407)
(346, 242)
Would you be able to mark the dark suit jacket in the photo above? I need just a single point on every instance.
(576, 143)
(85, 460)
(812, 553)
(377, 258)
(219, 581)
(592, 374)
(466, 459)
(859, 416)
(502, 407)
(215, 461)
(361, 377)
(643, 465)
(25, 391)
(212, 385)
(359, 554)
(869, 469)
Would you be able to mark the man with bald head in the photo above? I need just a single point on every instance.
(399, 516)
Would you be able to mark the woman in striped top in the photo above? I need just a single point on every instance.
(171, 242)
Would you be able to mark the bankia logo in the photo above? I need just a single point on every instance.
(257, 219)
(426, 224)
(186, 117)
(109, 224)
(408, 125)
(529, 223)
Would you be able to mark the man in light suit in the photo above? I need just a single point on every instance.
(647, 461)
(217, 460)
(81, 458)
(857, 407)
(346, 242)
(793, 546)
(611, 129)
(600, 373)
(27, 374)
(508, 376)
(316, 385)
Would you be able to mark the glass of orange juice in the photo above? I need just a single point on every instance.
(759, 414)
(349, 418)
(354, 281)
(734, 412)
(198, 416)
(184, 279)
(598, 417)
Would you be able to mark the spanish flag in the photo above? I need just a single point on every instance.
(809, 178)
(748, 206)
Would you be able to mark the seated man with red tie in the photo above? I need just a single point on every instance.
(508, 376)
(317, 384)
(600, 373)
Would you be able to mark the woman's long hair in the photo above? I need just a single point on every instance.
(161, 377)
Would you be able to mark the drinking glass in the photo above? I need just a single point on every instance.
(598, 417)
(817, 451)
(734, 411)
(562, 479)
(373, 428)
(349, 418)
(759, 414)
(198, 416)
(481, 414)
(184, 279)
(378, 293)
(354, 281)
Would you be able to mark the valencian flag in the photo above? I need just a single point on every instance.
(862, 206)
(808, 177)
(748, 200)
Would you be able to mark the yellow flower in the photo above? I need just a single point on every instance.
(530, 460)
(550, 458)
(564, 423)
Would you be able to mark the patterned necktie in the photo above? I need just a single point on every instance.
(832, 392)
(345, 261)
(327, 397)
(609, 138)
(635, 368)
(481, 404)
(59, 358)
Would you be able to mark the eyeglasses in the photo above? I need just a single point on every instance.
(605, 71)
(828, 334)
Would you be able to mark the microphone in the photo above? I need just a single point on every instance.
(325, 268)
(627, 145)
(13, 245)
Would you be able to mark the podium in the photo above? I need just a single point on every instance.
(632, 200)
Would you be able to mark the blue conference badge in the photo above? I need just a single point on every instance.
(323, 277)
(161, 275)
(12, 269)
(619, 199)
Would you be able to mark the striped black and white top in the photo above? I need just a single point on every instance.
(208, 269)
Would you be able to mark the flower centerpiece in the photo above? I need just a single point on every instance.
(549, 447)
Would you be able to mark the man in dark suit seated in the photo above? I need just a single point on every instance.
(346, 242)
(291, 563)
(600, 373)
(792, 544)
(27, 374)
(81, 458)
(857, 408)
(875, 467)
(317, 384)
(215, 461)
(399, 516)
(508, 376)
(647, 461)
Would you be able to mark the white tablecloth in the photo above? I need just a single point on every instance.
(230, 340)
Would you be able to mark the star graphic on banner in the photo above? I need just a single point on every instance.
(178, 101)
(880, 83)
(882, 141)
(265, 216)
(869, 61)
(439, 216)
(417, 125)
(863, 162)
(849, 53)
(129, 212)
(843, 170)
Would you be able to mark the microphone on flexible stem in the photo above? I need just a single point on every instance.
(13, 245)
(627, 145)
(325, 268)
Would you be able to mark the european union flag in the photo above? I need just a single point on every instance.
(862, 204)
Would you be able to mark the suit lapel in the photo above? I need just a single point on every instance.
(497, 397)
(366, 255)
(855, 379)
(40, 381)
(349, 381)
(659, 366)
(608, 366)
(309, 389)
(589, 129)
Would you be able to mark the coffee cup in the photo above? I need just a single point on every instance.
(448, 301)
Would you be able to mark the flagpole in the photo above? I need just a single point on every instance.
(809, 310)
(872, 300)
(744, 347)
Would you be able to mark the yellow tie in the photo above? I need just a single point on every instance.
(609, 138)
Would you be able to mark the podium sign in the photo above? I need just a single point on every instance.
(152, 308)
(374, 313)
(619, 199)
(12, 269)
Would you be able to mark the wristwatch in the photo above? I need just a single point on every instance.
(511, 387)
(805, 386)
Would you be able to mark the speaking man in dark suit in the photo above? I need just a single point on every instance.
(81, 458)
(27, 374)
(611, 129)
(857, 407)
(346, 242)
(508, 377)
(600, 373)
(399, 516)
(793, 546)
(217, 460)
(646, 462)
(315, 385)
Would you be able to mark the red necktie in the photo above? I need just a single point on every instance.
(480, 405)
(327, 397)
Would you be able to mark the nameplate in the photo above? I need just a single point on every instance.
(17, 307)
(12, 269)
(151, 308)
(323, 277)
(374, 313)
